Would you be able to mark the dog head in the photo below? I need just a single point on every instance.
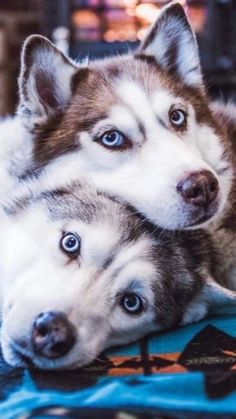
(138, 124)
(82, 273)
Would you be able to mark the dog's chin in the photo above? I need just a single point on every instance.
(22, 360)
(17, 359)
(201, 219)
(202, 222)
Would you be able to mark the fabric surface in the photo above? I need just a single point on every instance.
(189, 372)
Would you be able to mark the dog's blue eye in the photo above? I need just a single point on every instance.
(70, 244)
(178, 118)
(112, 139)
(132, 303)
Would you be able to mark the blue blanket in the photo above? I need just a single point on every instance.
(189, 372)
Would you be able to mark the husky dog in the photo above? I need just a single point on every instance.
(82, 272)
(139, 125)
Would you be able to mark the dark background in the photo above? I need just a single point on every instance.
(96, 28)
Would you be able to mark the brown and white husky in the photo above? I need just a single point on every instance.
(139, 125)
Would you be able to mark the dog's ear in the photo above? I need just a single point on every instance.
(172, 43)
(45, 80)
(216, 294)
(211, 295)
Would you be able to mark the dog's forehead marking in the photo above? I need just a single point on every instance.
(123, 118)
(127, 271)
(135, 97)
(98, 241)
(131, 253)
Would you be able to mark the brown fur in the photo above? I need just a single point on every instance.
(226, 117)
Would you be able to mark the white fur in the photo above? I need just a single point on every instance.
(15, 152)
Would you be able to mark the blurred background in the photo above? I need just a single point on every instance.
(97, 28)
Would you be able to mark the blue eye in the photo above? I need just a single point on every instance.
(112, 139)
(178, 118)
(70, 244)
(132, 303)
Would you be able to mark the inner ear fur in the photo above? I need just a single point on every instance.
(44, 81)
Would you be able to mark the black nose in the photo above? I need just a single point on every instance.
(199, 188)
(52, 335)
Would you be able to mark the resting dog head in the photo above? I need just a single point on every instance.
(81, 273)
(138, 124)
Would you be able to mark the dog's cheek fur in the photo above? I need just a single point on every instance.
(193, 261)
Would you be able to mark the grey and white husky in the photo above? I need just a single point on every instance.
(81, 272)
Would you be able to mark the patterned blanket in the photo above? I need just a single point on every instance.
(185, 373)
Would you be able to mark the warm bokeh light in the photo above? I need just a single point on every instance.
(124, 20)
(147, 12)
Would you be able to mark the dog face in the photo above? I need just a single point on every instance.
(82, 273)
(139, 125)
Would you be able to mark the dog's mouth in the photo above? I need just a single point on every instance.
(21, 357)
(199, 218)
(25, 359)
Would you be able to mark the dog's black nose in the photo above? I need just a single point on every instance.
(52, 335)
(199, 189)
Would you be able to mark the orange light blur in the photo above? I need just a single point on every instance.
(148, 12)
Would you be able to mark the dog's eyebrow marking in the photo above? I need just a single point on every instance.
(124, 118)
(124, 265)
(134, 96)
(142, 129)
(17, 206)
(108, 261)
(112, 256)
(192, 70)
(162, 123)
(87, 123)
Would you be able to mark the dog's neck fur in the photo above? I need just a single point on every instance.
(226, 117)
(224, 228)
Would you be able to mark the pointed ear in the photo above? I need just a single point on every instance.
(211, 295)
(215, 294)
(45, 80)
(172, 43)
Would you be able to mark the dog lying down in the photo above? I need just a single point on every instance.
(83, 272)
